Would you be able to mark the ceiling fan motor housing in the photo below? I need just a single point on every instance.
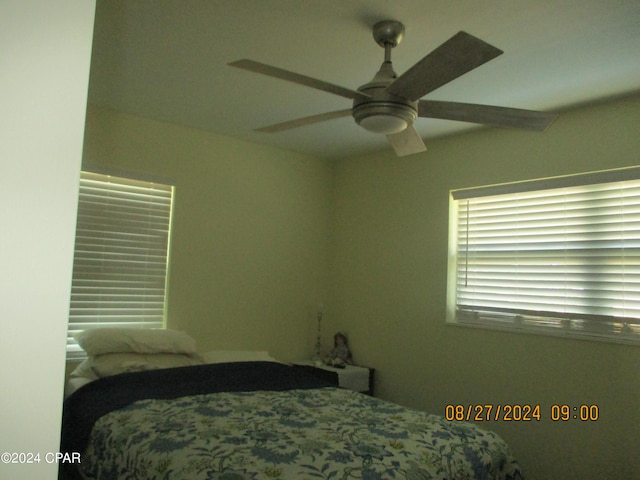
(383, 112)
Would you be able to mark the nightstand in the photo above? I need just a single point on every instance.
(353, 377)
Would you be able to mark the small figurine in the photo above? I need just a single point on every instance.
(340, 354)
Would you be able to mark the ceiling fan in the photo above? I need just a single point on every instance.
(389, 104)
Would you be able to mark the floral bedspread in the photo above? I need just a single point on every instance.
(324, 433)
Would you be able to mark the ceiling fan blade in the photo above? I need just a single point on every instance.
(455, 57)
(407, 142)
(486, 114)
(300, 122)
(298, 78)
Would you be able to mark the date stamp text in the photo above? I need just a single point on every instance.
(520, 412)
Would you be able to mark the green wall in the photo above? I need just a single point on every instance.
(389, 272)
(261, 236)
(249, 249)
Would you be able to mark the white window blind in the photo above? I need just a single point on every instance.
(121, 255)
(562, 260)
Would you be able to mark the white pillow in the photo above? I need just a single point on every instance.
(109, 364)
(226, 356)
(99, 341)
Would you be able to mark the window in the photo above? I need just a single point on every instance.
(556, 256)
(121, 255)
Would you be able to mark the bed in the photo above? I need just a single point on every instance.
(262, 420)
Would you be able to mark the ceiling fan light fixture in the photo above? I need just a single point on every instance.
(386, 124)
(384, 117)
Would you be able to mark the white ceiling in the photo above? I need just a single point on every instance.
(167, 60)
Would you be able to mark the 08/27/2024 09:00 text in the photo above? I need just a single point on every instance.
(520, 412)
